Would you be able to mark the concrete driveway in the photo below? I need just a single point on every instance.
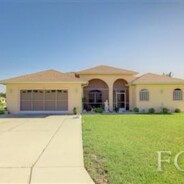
(42, 150)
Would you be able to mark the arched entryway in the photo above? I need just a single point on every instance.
(95, 94)
(121, 95)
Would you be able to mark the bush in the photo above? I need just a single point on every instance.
(136, 109)
(1, 108)
(98, 110)
(116, 109)
(151, 110)
(177, 110)
(75, 110)
(1, 112)
(165, 110)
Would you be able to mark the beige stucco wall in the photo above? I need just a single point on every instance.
(110, 79)
(160, 96)
(13, 94)
(132, 96)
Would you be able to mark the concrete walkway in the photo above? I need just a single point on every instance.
(42, 150)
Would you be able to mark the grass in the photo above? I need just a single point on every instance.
(122, 149)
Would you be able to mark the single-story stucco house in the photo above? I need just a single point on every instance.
(52, 91)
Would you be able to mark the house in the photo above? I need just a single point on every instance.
(52, 91)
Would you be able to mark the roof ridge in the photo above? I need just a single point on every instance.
(103, 68)
(50, 75)
(162, 75)
(137, 78)
(39, 72)
(156, 78)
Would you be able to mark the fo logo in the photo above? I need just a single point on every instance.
(168, 160)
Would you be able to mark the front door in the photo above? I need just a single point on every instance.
(121, 100)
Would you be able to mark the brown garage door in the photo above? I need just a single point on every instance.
(44, 100)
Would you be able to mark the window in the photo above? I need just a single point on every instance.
(95, 97)
(144, 95)
(177, 94)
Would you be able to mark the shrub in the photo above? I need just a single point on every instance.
(151, 110)
(116, 109)
(1, 108)
(98, 110)
(136, 109)
(165, 110)
(75, 110)
(1, 112)
(177, 110)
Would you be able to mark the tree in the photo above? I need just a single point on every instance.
(170, 74)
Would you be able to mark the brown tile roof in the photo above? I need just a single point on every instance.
(45, 76)
(103, 69)
(151, 78)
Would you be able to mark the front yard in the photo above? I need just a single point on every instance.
(122, 149)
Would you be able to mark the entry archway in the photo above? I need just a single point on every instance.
(121, 95)
(95, 94)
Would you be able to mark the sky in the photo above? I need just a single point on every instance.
(144, 36)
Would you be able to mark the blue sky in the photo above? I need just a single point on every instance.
(145, 36)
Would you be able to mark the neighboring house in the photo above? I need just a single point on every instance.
(52, 91)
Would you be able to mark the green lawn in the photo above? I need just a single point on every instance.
(122, 148)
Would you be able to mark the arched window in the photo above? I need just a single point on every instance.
(144, 95)
(177, 94)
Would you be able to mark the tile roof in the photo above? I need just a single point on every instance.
(103, 69)
(45, 76)
(150, 78)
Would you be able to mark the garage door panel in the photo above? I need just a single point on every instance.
(26, 100)
(50, 95)
(62, 95)
(38, 100)
(38, 106)
(62, 105)
(26, 106)
(50, 105)
(26, 95)
(38, 95)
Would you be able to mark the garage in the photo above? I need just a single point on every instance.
(44, 100)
